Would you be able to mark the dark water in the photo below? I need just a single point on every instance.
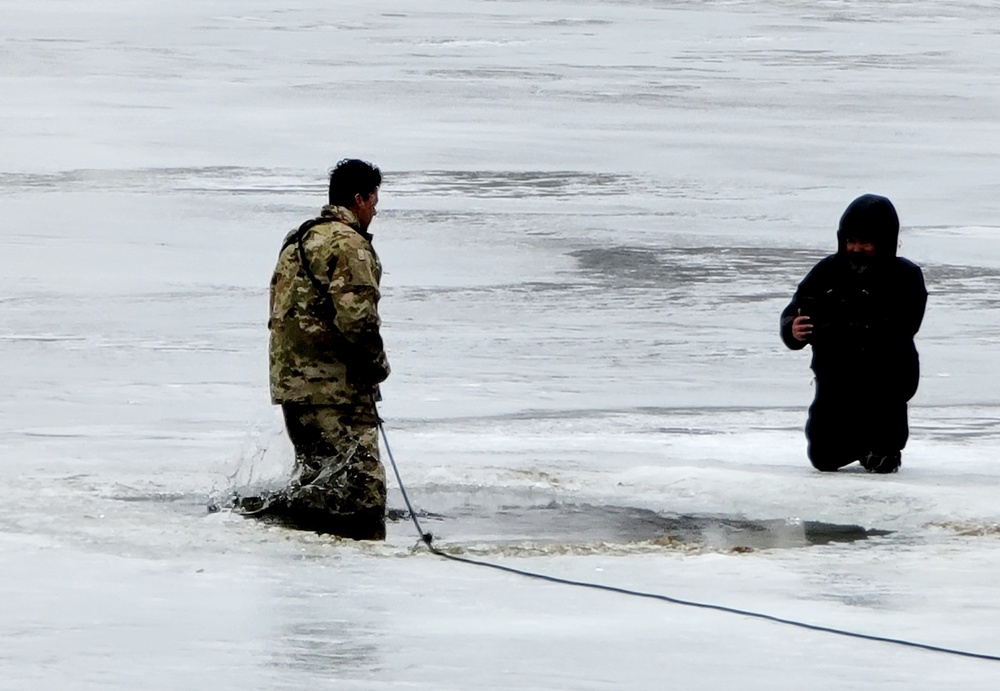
(568, 525)
(562, 524)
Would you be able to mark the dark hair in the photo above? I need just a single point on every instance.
(351, 177)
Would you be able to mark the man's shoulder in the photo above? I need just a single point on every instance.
(326, 229)
(908, 273)
(907, 265)
(337, 237)
(904, 270)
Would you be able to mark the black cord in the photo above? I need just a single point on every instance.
(427, 539)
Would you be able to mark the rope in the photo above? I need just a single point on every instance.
(427, 539)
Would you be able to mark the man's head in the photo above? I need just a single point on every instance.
(869, 229)
(354, 184)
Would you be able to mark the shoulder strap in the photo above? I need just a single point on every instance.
(297, 234)
(296, 237)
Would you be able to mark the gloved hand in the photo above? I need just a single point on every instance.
(368, 374)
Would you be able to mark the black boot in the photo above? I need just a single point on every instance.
(876, 462)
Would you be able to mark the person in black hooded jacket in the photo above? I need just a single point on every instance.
(860, 309)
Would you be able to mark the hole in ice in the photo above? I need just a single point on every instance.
(571, 524)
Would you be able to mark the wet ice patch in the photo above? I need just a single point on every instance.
(168, 180)
(968, 528)
(579, 528)
(514, 184)
(194, 504)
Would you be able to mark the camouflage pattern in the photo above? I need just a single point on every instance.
(326, 362)
(325, 346)
(337, 467)
(338, 484)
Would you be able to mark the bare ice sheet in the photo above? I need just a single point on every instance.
(593, 213)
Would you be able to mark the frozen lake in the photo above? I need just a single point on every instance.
(592, 215)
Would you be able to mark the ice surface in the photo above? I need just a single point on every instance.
(593, 213)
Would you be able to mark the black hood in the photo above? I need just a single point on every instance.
(870, 217)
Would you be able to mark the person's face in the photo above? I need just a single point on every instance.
(364, 208)
(860, 252)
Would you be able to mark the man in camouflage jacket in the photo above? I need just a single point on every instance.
(327, 360)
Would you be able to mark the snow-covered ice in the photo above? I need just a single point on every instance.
(592, 215)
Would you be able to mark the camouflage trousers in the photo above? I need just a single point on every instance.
(338, 484)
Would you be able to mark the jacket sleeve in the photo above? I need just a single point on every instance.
(787, 317)
(344, 273)
(900, 362)
(805, 288)
(902, 309)
(354, 293)
(914, 303)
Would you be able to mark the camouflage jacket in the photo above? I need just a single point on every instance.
(325, 347)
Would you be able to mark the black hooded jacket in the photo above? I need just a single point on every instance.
(864, 319)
